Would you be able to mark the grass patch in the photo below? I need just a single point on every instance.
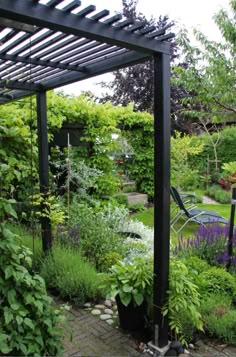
(147, 218)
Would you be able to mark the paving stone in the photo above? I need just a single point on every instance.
(96, 312)
(108, 311)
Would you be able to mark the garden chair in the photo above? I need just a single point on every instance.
(192, 214)
(189, 198)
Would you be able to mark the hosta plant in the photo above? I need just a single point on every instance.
(132, 281)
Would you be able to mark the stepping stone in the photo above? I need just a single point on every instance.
(108, 311)
(96, 312)
(99, 307)
(105, 317)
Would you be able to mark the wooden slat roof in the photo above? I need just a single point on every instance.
(50, 43)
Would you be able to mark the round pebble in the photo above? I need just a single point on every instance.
(110, 321)
(105, 317)
(108, 311)
(96, 312)
(87, 304)
(108, 303)
(99, 307)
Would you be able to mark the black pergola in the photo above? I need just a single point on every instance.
(49, 44)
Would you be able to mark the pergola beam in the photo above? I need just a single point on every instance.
(37, 62)
(20, 85)
(32, 13)
(116, 62)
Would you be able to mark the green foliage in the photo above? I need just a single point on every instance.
(140, 137)
(219, 194)
(66, 271)
(121, 199)
(218, 281)
(219, 318)
(28, 324)
(182, 175)
(137, 207)
(209, 63)
(51, 207)
(229, 168)
(131, 281)
(108, 260)
(196, 265)
(96, 237)
(183, 299)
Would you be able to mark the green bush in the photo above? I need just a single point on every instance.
(183, 302)
(219, 318)
(226, 149)
(108, 260)
(219, 194)
(196, 265)
(96, 237)
(28, 323)
(70, 274)
(121, 199)
(218, 281)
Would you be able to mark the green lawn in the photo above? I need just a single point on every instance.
(147, 218)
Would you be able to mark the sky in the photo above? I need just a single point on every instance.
(187, 13)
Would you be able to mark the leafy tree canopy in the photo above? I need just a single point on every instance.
(209, 73)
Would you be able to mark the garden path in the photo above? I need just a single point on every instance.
(208, 200)
(88, 336)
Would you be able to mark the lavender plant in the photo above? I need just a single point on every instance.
(209, 243)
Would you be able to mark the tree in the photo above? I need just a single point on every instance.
(135, 83)
(210, 74)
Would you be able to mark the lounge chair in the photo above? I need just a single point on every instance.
(192, 214)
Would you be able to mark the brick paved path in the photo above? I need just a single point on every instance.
(93, 337)
(88, 336)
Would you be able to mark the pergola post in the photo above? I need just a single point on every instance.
(161, 194)
(43, 165)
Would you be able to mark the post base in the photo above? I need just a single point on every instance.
(160, 351)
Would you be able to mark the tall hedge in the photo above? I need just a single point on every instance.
(226, 149)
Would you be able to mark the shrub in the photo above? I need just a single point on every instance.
(70, 274)
(219, 318)
(218, 281)
(108, 260)
(96, 237)
(28, 323)
(219, 194)
(137, 207)
(121, 199)
(183, 300)
(196, 265)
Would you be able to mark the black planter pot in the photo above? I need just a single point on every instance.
(132, 317)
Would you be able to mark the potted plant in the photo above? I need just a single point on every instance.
(130, 283)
